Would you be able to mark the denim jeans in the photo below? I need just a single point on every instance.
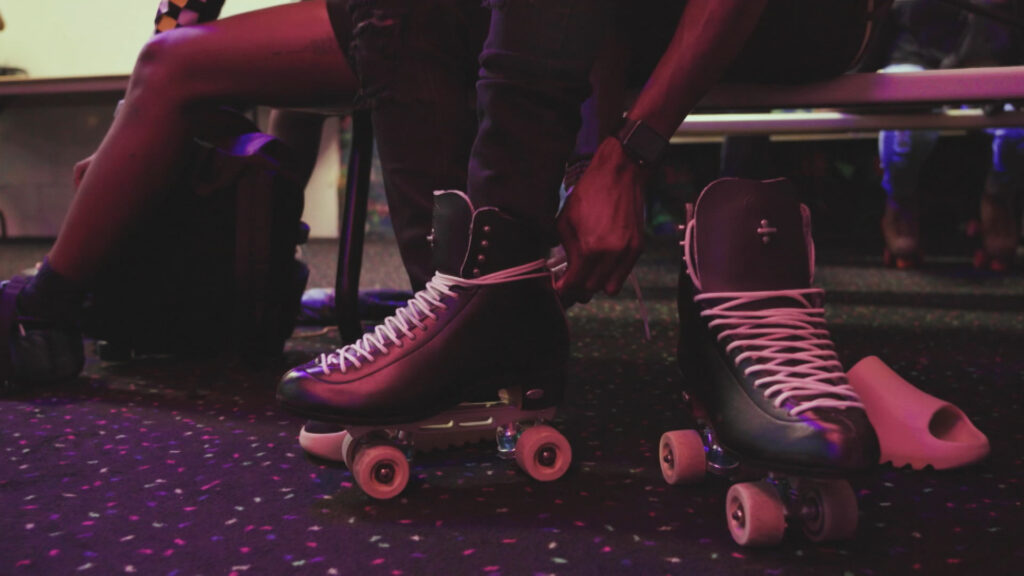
(903, 154)
(470, 99)
(417, 66)
(534, 75)
(1006, 174)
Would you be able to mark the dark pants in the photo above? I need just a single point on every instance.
(417, 66)
(419, 63)
(534, 75)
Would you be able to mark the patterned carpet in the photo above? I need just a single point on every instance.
(178, 467)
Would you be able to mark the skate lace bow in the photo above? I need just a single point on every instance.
(399, 326)
(786, 349)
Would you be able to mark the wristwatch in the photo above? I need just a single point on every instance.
(641, 142)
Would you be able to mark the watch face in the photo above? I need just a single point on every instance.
(641, 142)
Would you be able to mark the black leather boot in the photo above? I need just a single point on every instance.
(754, 350)
(490, 319)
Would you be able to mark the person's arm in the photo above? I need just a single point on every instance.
(601, 224)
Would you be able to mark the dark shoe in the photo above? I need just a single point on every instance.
(38, 350)
(754, 349)
(490, 319)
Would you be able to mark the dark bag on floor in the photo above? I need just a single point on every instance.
(215, 270)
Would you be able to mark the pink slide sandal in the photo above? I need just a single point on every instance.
(913, 427)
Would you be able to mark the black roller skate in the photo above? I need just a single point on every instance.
(484, 345)
(771, 400)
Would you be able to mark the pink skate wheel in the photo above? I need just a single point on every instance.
(828, 509)
(755, 514)
(381, 470)
(681, 455)
(543, 453)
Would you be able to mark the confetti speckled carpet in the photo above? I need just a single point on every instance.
(170, 467)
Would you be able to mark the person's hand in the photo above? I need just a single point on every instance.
(80, 169)
(601, 225)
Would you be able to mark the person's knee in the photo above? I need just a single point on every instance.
(161, 68)
(407, 52)
(376, 46)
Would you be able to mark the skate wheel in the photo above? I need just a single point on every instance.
(543, 453)
(755, 514)
(828, 510)
(985, 261)
(682, 457)
(381, 470)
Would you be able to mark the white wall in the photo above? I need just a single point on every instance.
(51, 38)
(39, 145)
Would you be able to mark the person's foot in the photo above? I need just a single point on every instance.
(754, 349)
(902, 234)
(490, 319)
(38, 347)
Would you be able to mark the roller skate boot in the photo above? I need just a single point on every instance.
(1000, 234)
(762, 379)
(484, 345)
(901, 232)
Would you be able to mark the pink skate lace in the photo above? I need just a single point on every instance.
(422, 305)
(782, 335)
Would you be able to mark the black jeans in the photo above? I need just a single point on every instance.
(534, 75)
(417, 65)
(470, 99)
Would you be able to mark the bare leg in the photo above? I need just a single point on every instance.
(281, 56)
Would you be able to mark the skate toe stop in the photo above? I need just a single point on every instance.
(915, 428)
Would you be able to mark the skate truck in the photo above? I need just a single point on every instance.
(379, 458)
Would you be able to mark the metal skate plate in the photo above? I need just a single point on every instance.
(466, 423)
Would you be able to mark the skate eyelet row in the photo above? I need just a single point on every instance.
(399, 328)
(787, 346)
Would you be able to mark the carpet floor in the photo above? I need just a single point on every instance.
(186, 467)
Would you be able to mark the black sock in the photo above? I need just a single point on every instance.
(52, 297)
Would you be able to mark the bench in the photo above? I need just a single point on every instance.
(853, 103)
